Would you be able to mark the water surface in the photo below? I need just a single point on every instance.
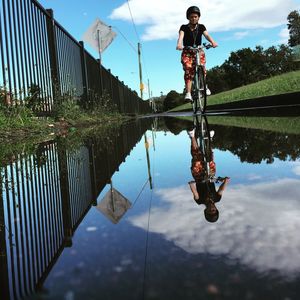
(62, 236)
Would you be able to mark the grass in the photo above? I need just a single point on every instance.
(281, 84)
(289, 125)
(19, 122)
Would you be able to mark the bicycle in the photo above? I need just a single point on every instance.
(203, 136)
(199, 82)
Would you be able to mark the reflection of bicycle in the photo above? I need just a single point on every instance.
(203, 136)
(199, 94)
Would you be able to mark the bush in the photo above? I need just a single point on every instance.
(172, 100)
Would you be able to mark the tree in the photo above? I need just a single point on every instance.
(216, 80)
(172, 100)
(294, 28)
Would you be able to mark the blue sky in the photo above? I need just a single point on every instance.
(234, 24)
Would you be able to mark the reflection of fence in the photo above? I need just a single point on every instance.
(41, 60)
(44, 197)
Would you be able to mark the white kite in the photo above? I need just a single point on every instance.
(99, 36)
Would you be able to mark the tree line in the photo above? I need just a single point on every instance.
(247, 65)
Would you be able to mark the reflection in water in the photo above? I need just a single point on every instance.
(251, 145)
(255, 146)
(162, 247)
(114, 205)
(203, 169)
(254, 229)
(45, 196)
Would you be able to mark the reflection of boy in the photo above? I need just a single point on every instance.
(204, 191)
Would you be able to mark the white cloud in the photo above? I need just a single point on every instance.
(258, 224)
(240, 35)
(284, 36)
(163, 18)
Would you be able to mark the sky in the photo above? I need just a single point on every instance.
(233, 24)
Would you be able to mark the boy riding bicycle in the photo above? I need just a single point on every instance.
(191, 35)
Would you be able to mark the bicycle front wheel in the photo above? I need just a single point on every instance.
(202, 96)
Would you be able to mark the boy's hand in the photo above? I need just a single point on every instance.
(179, 47)
(226, 179)
(214, 45)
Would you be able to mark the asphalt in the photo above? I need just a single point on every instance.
(277, 105)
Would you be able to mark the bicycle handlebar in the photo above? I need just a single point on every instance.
(206, 46)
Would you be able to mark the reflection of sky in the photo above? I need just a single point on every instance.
(296, 168)
(258, 223)
(259, 212)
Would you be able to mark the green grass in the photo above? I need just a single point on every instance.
(18, 123)
(289, 125)
(281, 84)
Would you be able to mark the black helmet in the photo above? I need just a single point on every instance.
(193, 9)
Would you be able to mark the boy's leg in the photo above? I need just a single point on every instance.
(193, 188)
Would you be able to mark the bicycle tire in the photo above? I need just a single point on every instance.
(195, 88)
(202, 95)
(204, 140)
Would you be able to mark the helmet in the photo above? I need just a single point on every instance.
(193, 9)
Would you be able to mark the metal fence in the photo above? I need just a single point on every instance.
(43, 64)
(43, 198)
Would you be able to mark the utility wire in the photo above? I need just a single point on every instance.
(140, 192)
(147, 235)
(138, 38)
(130, 44)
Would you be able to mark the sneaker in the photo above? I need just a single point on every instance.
(208, 92)
(191, 133)
(211, 134)
(188, 97)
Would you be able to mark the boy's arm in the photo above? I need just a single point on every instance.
(210, 39)
(222, 186)
(180, 40)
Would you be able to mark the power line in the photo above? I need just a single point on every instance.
(133, 21)
(130, 44)
(138, 38)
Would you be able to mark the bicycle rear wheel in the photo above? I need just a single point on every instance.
(204, 139)
(195, 89)
(202, 96)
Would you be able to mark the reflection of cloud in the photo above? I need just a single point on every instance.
(258, 224)
(296, 168)
(254, 177)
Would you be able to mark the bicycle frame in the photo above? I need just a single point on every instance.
(199, 81)
(204, 143)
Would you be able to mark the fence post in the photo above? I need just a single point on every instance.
(121, 101)
(100, 77)
(4, 281)
(55, 80)
(65, 194)
(111, 87)
(84, 97)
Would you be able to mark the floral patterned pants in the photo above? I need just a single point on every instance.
(188, 60)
